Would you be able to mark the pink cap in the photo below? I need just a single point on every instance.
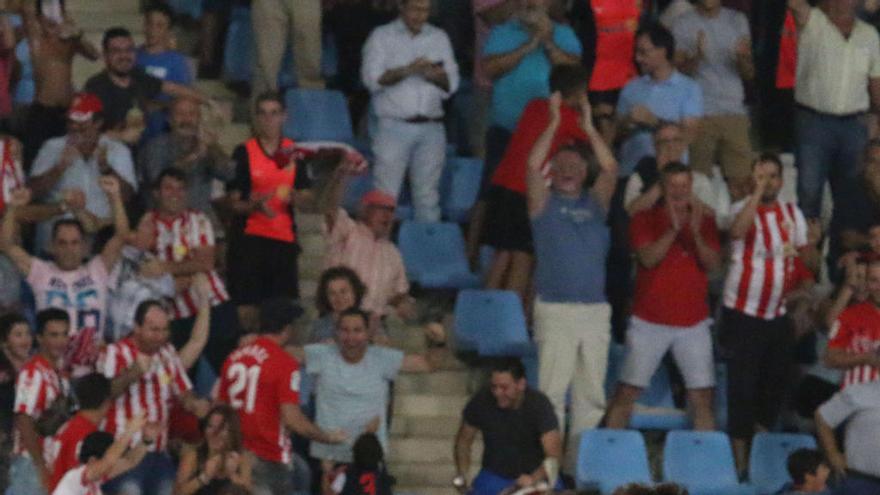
(378, 198)
(84, 106)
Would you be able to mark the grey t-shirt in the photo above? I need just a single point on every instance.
(717, 75)
(858, 406)
(348, 396)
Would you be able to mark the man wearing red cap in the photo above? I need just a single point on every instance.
(77, 161)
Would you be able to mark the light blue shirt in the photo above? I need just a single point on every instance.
(83, 175)
(530, 79)
(674, 99)
(348, 396)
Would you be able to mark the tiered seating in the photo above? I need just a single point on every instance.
(460, 187)
(317, 115)
(434, 255)
(702, 461)
(491, 322)
(610, 458)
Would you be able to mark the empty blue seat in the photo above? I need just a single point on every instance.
(238, 54)
(190, 8)
(491, 322)
(460, 187)
(768, 469)
(610, 458)
(702, 461)
(317, 115)
(205, 378)
(434, 255)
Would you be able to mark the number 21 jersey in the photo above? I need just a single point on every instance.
(256, 381)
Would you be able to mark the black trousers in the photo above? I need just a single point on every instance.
(761, 357)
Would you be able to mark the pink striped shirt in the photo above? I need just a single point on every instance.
(376, 261)
(175, 241)
(151, 395)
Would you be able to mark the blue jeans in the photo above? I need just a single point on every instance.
(489, 483)
(23, 478)
(153, 476)
(855, 484)
(420, 148)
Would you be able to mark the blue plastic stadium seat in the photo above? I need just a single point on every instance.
(205, 378)
(460, 187)
(191, 8)
(238, 55)
(608, 459)
(357, 187)
(434, 255)
(491, 322)
(317, 115)
(768, 459)
(702, 461)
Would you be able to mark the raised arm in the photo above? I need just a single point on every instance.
(746, 217)
(800, 9)
(110, 184)
(828, 442)
(8, 244)
(107, 465)
(536, 187)
(190, 352)
(603, 188)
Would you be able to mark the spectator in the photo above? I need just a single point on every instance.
(855, 336)
(367, 474)
(193, 149)
(365, 247)
(61, 449)
(261, 382)
(519, 430)
(410, 69)
(219, 461)
(838, 74)
(7, 69)
(11, 179)
(76, 287)
(101, 458)
(643, 186)
(126, 90)
(339, 289)
(273, 22)
(16, 343)
(53, 40)
(184, 243)
(352, 384)
(855, 234)
(146, 376)
(857, 407)
(809, 473)
(77, 161)
(661, 93)
(676, 245)
(714, 47)
(768, 236)
(572, 317)
(507, 221)
(40, 389)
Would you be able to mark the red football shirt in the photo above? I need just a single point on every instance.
(511, 171)
(62, 450)
(256, 381)
(857, 330)
(673, 292)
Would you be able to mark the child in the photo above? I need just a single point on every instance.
(366, 475)
(809, 473)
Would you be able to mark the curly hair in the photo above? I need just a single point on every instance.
(322, 301)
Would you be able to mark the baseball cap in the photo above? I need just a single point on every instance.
(378, 198)
(84, 106)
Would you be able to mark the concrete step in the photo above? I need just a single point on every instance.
(94, 22)
(426, 450)
(439, 382)
(311, 223)
(424, 490)
(441, 427)
(312, 243)
(427, 474)
(232, 135)
(420, 405)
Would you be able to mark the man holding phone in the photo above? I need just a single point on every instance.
(409, 69)
(76, 161)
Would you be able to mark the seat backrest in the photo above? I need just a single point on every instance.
(317, 115)
(460, 187)
(768, 459)
(429, 247)
(610, 458)
(488, 316)
(699, 459)
(238, 55)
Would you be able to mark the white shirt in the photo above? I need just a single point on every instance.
(75, 483)
(392, 46)
(833, 71)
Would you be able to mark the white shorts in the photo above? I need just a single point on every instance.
(647, 343)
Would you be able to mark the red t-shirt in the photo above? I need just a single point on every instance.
(673, 292)
(786, 69)
(256, 381)
(62, 450)
(857, 331)
(511, 172)
(616, 24)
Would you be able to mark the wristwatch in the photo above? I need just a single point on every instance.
(458, 481)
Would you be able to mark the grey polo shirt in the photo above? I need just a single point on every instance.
(858, 406)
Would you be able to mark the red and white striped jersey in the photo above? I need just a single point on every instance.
(75, 483)
(11, 174)
(857, 331)
(152, 395)
(37, 387)
(762, 264)
(175, 240)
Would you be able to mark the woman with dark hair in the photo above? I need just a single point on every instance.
(219, 461)
(16, 343)
(339, 289)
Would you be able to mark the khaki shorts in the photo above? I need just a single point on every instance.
(647, 343)
(723, 139)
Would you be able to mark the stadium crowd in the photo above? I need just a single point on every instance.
(634, 193)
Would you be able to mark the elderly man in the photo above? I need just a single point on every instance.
(410, 69)
(519, 430)
(77, 160)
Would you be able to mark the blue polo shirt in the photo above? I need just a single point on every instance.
(674, 99)
(528, 80)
